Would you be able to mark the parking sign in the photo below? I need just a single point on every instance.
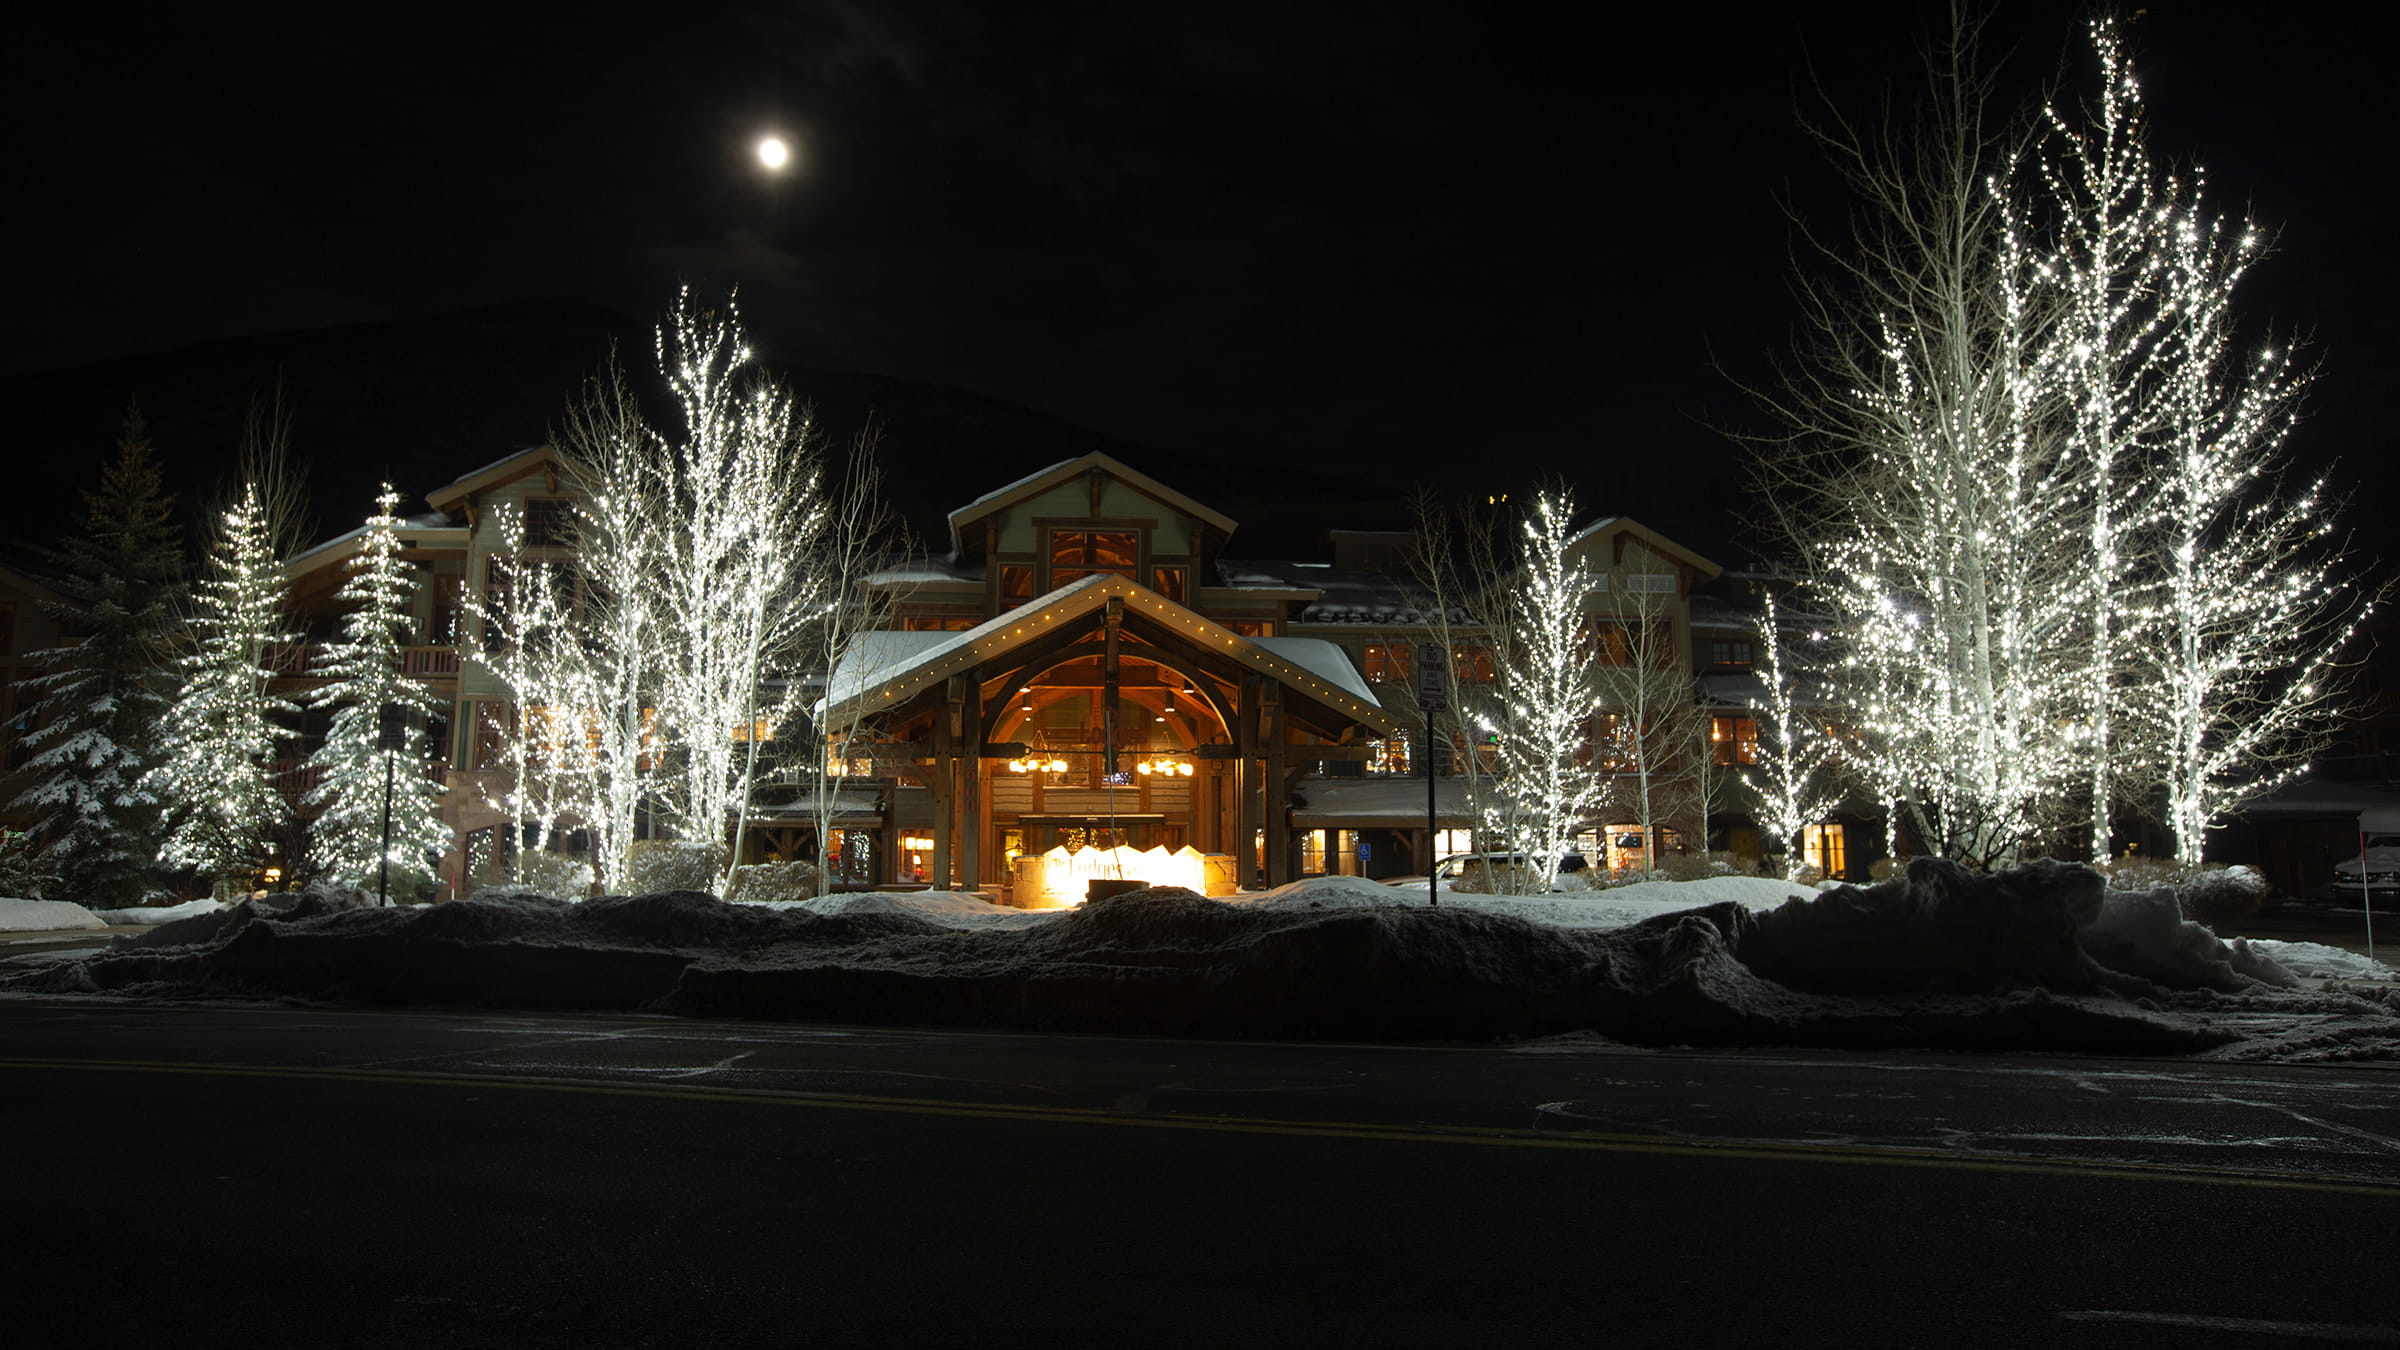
(1433, 677)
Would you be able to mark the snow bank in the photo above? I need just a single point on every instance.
(157, 914)
(2144, 933)
(2316, 961)
(43, 916)
(1933, 959)
(948, 909)
(1937, 958)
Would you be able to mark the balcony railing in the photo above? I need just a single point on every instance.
(298, 660)
(294, 776)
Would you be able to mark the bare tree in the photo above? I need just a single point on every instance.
(1653, 734)
(2241, 684)
(1550, 690)
(861, 535)
(1920, 485)
(1463, 616)
(1795, 758)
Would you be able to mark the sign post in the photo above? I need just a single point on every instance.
(1433, 695)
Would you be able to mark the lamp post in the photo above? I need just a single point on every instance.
(1433, 695)
(391, 737)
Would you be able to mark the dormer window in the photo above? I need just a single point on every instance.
(549, 522)
(1076, 554)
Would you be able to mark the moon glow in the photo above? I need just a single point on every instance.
(773, 152)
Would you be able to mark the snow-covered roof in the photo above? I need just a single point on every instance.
(890, 674)
(1731, 691)
(1712, 611)
(864, 663)
(418, 531)
(1043, 479)
(1322, 659)
(848, 802)
(2325, 798)
(500, 470)
(1708, 570)
(1380, 803)
(925, 572)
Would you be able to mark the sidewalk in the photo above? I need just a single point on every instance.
(2326, 925)
(23, 948)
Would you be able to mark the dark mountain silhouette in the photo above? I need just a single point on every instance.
(422, 401)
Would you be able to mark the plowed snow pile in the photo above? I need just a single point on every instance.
(2038, 958)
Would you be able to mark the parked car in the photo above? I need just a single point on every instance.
(1500, 872)
(2381, 866)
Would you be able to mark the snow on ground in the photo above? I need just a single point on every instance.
(1615, 907)
(43, 916)
(2039, 958)
(157, 914)
(949, 909)
(2316, 961)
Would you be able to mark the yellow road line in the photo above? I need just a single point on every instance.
(1656, 1145)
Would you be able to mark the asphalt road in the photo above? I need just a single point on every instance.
(214, 1175)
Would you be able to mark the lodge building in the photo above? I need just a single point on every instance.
(1085, 666)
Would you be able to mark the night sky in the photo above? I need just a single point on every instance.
(1403, 241)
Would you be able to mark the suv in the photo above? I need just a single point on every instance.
(2381, 857)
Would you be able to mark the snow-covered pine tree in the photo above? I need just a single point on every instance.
(363, 674)
(97, 821)
(1548, 775)
(218, 737)
(1794, 758)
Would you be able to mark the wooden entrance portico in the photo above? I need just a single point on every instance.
(1042, 719)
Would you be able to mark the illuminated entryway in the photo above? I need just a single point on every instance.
(1105, 715)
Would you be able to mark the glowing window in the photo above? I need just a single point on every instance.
(1386, 662)
(1732, 740)
(1076, 554)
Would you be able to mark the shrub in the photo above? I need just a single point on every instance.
(773, 881)
(1884, 869)
(22, 876)
(655, 865)
(1699, 866)
(547, 874)
(2210, 893)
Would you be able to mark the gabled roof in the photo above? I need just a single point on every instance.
(1066, 470)
(506, 469)
(894, 667)
(1658, 543)
(415, 532)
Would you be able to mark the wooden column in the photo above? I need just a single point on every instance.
(970, 784)
(1273, 803)
(1246, 782)
(942, 786)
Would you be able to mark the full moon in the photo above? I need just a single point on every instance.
(773, 153)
